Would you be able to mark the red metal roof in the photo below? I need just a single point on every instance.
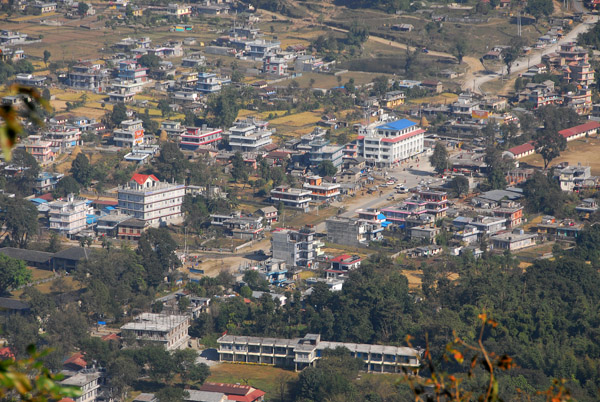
(141, 178)
(6, 353)
(76, 360)
(521, 149)
(234, 392)
(582, 128)
(403, 137)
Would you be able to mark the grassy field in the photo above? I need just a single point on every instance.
(266, 378)
(584, 150)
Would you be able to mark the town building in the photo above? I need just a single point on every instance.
(154, 202)
(487, 225)
(39, 149)
(320, 190)
(195, 137)
(130, 134)
(62, 137)
(269, 214)
(298, 248)
(131, 229)
(392, 99)
(520, 151)
(274, 271)
(322, 150)
(292, 197)
(551, 228)
(390, 143)
(342, 265)
(580, 131)
(12, 38)
(170, 331)
(87, 75)
(513, 241)
(300, 353)
(209, 83)
(574, 178)
(88, 384)
(233, 392)
(179, 10)
(353, 232)
(173, 128)
(250, 135)
(274, 65)
(68, 216)
(29, 79)
(511, 211)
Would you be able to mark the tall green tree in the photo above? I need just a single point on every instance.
(67, 185)
(440, 159)
(82, 170)
(239, 171)
(22, 182)
(13, 273)
(47, 56)
(171, 164)
(118, 114)
(326, 168)
(156, 249)
(223, 107)
(19, 220)
(549, 144)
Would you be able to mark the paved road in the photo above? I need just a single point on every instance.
(523, 63)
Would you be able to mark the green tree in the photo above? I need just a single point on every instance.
(460, 49)
(47, 56)
(238, 170)
(171, 164)
(67, 185)
(19, 220)
(118, 114)
(171, 394)
(497, 167)
(54, 245)
(22, 182)
(440, 159)
(13, 273)
(326, 168)
(460, 185)
(510, 55)
(223, 107)
(149, 61)
(540, 8)
(165, 107)
(122, 372)
(156, 249)
(549, 144)
(380, 85)
(82, 8)
(82, 170)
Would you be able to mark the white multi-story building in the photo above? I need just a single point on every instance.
(88, 384)
(131, 133)
(171, 331)
(291, 197)
(249, 135)
(154, 202)
(389, 143)
(195, 137)
(68, 216)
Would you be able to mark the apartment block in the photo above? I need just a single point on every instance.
(249, 135)
(130, 134)
(195, 137)
(170, 331)
(298, 248)
(154, 202)
(353, 232)
(68, 216)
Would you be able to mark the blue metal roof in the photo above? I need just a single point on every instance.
(90, 219)
(397, 125)
(38, 201)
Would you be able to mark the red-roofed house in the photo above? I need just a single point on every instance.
(521, 151)
(143, 179)
(342, 264)
(111, 337)
(234, 392)
(580, 131)
(75, 362)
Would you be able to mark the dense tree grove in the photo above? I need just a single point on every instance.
(547, 315)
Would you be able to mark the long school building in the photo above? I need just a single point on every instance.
(300, 353)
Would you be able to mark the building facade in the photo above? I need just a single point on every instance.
(170, 331)
(68, 216)
(390, 143)
(154, 202)
(298, 248)
(300, 353)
